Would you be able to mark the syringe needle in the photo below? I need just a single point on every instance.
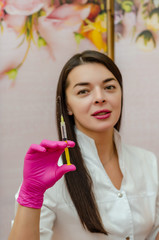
(64, 138)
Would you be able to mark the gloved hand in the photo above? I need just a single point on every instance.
(41, 171)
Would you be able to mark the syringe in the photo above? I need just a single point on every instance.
(64, 138)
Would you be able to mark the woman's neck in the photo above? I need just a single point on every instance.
(104, 142)
(105, 146)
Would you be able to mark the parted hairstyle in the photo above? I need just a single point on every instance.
(79, 182)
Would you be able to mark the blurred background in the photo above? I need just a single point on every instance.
(36, 38)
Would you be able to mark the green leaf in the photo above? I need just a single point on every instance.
(147, 36)
(41, 42)
(78, 37)
(127, 5)
(12, 74)
(1, 26)
(154, 11)
(41, 13)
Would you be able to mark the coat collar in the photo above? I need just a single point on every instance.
(89, 150)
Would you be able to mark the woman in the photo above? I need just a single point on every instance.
(112, 193)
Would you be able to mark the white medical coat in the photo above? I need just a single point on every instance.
(129, 213)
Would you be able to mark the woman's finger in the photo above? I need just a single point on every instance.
(34, 148)
(64, 169)
(53, 144)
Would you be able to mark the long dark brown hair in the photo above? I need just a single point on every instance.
(79, 182)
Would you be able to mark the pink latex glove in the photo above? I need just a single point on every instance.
(41, 171)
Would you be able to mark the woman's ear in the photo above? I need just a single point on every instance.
(69, 110)
(70, 113)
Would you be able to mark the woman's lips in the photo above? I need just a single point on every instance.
(102, 114)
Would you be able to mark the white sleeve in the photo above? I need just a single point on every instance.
(47, 216)
(155, 229)
(47, 219)
(15, 207)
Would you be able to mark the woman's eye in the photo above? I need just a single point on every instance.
(111, 87)
(84, 91)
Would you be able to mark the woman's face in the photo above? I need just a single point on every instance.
(93, 98)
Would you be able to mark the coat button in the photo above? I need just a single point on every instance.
(127, 238)
(120, 195)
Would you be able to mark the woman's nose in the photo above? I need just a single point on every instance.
(100, 101)
(99, 97)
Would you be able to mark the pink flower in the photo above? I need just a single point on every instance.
(15, 22)
(53, 31)
(58, 28)
(68, 15)
(11, 54)
(23, 7)
(2, 5)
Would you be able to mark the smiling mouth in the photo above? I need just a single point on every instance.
(101, 113)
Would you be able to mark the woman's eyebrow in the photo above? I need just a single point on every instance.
(108, 80)
(81, 84)
(88, 83)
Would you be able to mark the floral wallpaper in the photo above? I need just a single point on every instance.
(38, 22)
(138, 20)
(36, 39)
